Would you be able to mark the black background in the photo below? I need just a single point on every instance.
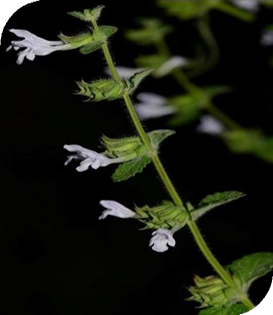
(56, 257)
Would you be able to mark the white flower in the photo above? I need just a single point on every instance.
(89, 158)
(210, 125)
(34, 46)
(160, 239)
(125, 72)
(153, 106)
(267, 38)
(170, 65)
(250, 5)
(115, 209)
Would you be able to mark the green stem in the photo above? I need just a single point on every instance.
(204, 28)
(235, 12)
(163, 174)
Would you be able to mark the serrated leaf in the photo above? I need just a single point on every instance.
(158, 136)
(252, 267)
(130, 168)
(96, 12)
(89, 48)
(88, 14)
(136, 79)
(108, 30)
(77, 15)
(213, 201)
(236, 309)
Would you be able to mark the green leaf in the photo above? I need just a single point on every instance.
(88, 14)
(187, 9)
(96, 12)
(150, 61)
(265, 150)
(193, 9)
(187, 109)
(150, 32)
(214, 90)
(158, 136)
(213, 201)
(131, 168)
(107, 30)
(250, 141)
(136, 79)
(252, 267)
(89, 48)
(236, 309)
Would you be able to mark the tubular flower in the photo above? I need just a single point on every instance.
(33, 46)
(89, 158)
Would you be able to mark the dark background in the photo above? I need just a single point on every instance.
(56, 257)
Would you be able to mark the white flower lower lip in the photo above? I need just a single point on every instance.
(33, 45)
(88, 158)
(161, 239)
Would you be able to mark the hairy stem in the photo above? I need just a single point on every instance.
(164, 176)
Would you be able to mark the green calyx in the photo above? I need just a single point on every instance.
(213, 294)
(135, 154)
(124, 147)
(212, 291)
(88, 14)
(167, 215)
(100, 90)
(109, 89)
(90, 41)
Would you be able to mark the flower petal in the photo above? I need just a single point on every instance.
(116, 209)
(31, 55)
(84, 165)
